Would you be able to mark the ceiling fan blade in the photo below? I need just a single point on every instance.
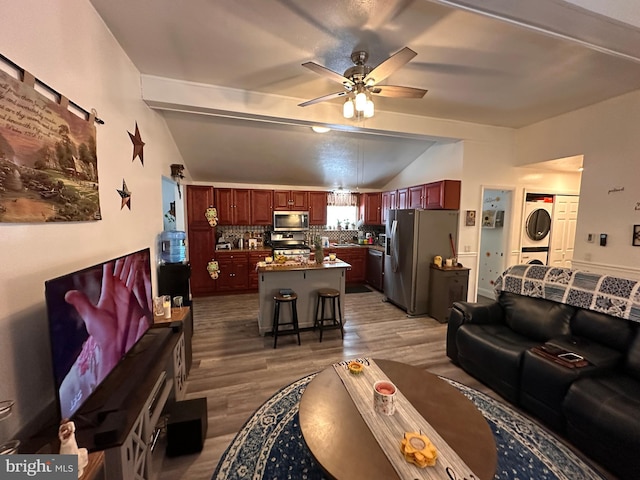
(330, 74)
(324, 98)
(389, 66)
(397, 91)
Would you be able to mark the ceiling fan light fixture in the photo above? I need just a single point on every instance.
(361, 101)
(369, 109)
(348, 109)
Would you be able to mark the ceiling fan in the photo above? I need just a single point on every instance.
(361, 81)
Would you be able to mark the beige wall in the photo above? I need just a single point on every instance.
(66, 45)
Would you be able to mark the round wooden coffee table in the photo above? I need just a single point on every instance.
(345, 448)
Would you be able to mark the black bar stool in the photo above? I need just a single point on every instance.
(324, 295)
(292, 300)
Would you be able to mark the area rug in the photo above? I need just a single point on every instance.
(357, 289)
(270, 445)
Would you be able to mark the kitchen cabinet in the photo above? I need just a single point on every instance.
(234, 206)
(291, 200)
(234, 271)
(416, 197)
(403, 198)
(446, 285)
(375, 268)
(261, 207)
(389, 202)
(442, 195)
(357, 258)
(255, 257)
(370, 208)
(317, 208)
(199, 198)
(201, 239)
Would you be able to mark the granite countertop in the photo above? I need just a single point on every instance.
(262, 267)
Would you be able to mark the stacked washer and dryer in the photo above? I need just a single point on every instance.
(538, 209)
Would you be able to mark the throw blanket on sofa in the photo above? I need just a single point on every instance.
(619, 297)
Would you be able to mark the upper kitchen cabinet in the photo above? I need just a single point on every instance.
(389, 202)
(317, 208)
(261, 207)
(403, 198)
(234, 206)
(199, 198)
(291, 200)
(416, 197)
(370, 208)
(442, 195)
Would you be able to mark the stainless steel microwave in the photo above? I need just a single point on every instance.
(285, 221)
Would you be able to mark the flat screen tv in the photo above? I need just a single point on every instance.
(96, 315)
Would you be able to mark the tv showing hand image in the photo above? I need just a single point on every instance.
(96, 315)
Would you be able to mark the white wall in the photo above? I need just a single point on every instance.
(607, 135)
(67, 46)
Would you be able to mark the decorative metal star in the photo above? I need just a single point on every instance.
(138, 145)
(125, 195)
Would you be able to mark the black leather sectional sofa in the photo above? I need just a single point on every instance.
(597, 406)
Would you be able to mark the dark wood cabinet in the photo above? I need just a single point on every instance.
(375, 268)
(199, 198)
(403, 198)
(370, 208)
(317, 208)
(443, 195)
(357, 258)
(255, 257)
(261, 207)
(415, 197)
(389, 202)
(446, 285)
(234, 206)
(201, 239)
(234, 271)
(290, 200)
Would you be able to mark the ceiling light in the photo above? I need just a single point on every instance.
(348, 110)
(320, 129)
(361, 101)
(369, 109)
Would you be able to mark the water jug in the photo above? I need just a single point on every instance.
(173, 246)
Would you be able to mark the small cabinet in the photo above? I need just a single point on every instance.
(290, 200)
(261, 207)
(255, 257)
(375, 268)
(416, 197)
(442, 195)
(199, 198)
(234, 271)
(403, 198)
(446, 285)
(317, 208)
(234, 206)
(389, 202)
(201, 239)
(370, 208)
(357, 258)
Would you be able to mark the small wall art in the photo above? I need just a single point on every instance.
(138, 145)
(636, 236)
(489, 218)
(470, 218)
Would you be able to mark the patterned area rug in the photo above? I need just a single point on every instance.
(270, 445)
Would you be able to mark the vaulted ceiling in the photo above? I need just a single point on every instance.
(228, 76)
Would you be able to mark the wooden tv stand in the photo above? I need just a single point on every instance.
(123, 419)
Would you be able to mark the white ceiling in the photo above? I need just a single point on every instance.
(476, 69)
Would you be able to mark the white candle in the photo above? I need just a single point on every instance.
(167, 308)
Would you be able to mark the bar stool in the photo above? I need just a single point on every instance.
(292, 300)
(324, 295)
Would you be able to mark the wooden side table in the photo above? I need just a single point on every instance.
(447, 285)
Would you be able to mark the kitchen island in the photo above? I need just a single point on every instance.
(305, 280)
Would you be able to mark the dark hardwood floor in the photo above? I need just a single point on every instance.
(237, 369)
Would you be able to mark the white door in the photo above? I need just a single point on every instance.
(563, 230)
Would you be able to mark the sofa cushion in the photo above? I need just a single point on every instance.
(632, 366)
(536, 318)
(603, 421)
(493, 354)
(611, 331)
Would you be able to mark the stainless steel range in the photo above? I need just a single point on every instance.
(290, 244)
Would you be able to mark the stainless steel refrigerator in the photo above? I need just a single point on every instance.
(414, 237)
